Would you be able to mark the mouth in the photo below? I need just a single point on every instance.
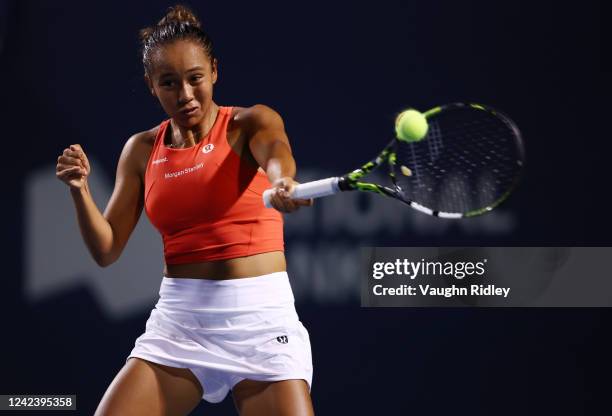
(189, 111)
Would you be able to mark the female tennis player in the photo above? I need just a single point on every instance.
(225, 319)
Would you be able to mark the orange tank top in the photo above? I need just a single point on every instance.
(206, 201)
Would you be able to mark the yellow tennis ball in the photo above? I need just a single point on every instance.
(410, 126)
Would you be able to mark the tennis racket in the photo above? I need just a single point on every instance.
(469, 162)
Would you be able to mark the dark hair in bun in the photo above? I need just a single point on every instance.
(179, 23)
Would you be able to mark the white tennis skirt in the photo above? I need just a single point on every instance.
(226, 331)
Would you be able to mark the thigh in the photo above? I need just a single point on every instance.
(145, 388)
(276, 398)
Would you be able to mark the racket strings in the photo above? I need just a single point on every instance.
(468, 160)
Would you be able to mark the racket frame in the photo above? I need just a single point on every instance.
(351, 181)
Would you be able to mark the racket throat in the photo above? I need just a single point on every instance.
(345, 184)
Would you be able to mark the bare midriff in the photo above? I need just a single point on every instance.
(236, 268)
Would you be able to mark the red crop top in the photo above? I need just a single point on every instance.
(206, 201)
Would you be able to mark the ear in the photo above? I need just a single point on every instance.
(214, 70)
(149, 85)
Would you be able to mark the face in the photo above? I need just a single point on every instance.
(182, 78)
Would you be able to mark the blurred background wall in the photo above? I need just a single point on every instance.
(337, 72)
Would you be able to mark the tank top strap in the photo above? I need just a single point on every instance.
(157, 152)
(218, 135)
(161, 134)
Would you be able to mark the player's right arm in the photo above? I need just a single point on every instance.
(106, 235)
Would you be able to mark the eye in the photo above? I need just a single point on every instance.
(197, 78)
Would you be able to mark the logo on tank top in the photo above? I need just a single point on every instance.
(157, 161)
(283, 339)
(208, 148)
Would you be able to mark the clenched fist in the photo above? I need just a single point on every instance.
(73, 167)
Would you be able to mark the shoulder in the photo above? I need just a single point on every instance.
(256, 117)
(143, 138)
(137, 149)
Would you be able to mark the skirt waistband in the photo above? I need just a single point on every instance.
(193, 294)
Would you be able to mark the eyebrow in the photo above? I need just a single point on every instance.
(195, 68)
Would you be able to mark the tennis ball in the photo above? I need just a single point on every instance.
(410, 126)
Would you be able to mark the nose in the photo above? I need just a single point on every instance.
(185, 94)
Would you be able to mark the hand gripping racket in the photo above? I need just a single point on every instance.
(469, 162)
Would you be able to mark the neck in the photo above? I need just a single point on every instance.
(190, 136)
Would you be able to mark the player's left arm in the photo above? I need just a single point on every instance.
(269, 145)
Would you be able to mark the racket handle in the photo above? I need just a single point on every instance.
(314, 189)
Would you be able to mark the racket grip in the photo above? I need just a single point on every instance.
(314, 189)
